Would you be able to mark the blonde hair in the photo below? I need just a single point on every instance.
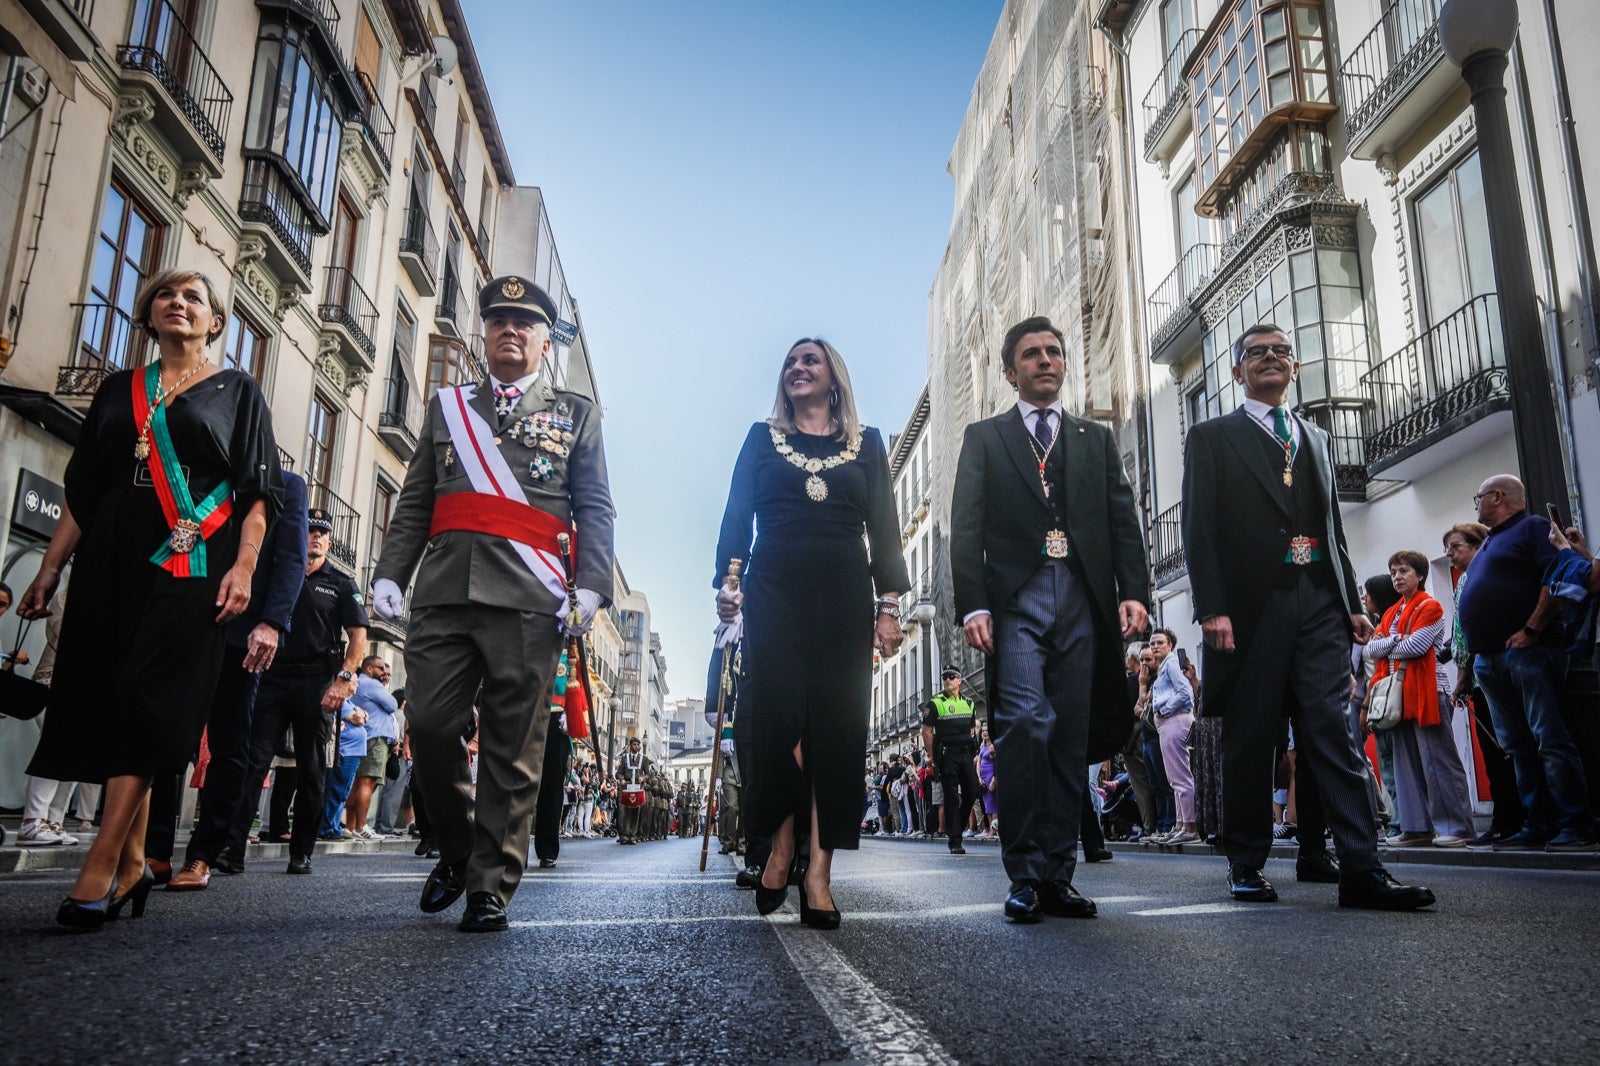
(164, 279)
(842, 405)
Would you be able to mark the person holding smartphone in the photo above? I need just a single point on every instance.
(1172, 699)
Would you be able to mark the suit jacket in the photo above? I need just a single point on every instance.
(281, 570)
(460, 567)
(999, 517)
(1237, 524)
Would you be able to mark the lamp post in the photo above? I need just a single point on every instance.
(613, 705)
(1476, 36)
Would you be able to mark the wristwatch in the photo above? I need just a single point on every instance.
(1532, 633)
(345, 675)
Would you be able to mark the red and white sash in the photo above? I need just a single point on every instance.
(497, 506)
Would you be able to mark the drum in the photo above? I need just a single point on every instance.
(632, 796)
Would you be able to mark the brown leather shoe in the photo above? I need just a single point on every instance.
(194, 876)
(162, 868)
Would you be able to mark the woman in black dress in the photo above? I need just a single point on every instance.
(169, 492)
(811, 480)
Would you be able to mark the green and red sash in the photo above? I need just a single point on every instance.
(180, 509)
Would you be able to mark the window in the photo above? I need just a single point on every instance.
(1177, 18)
(126, 252)
(1453, 241)
(1261, 65)
(397, 398)
(321, 438)
(246, 346)
(294, 117)
(448, 363)
(383, 494)
(368, 55)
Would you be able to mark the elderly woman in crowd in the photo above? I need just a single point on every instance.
(821, 590)
(1430, 783)
(169, 491)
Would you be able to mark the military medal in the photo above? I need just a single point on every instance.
(449, 456)
(816, 487)
(1288, 476)
(1056, 544)
(541, 468)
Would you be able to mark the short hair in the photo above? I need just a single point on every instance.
(5, 590)
(1251, 331)
(1415, 561)
(1381, 589)
(844, 411)
(369, 660)
(165, 279)
(1474, 533)
(1172, 638)
(1014, 335)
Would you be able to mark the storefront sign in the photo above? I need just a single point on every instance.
(38, 504)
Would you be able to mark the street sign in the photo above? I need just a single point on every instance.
(38, 504)
(564, 332)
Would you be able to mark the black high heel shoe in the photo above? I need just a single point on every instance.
(139, 894)
(816, 919)
(770, 899)
(86, 915)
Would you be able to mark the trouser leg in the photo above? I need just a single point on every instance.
(267, 727)
(312, 729)
(228, 740)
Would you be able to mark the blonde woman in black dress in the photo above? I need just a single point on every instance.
(811, 511)
(169, 491)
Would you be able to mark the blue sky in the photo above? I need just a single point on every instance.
(722, 178)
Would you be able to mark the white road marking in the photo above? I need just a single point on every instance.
(1194, 908)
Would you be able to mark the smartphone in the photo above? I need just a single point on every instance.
(1183, 659)
(1554, 516)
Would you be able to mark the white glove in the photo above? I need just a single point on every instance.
(729, 604)
(588, 607)
(726, 744)
(387, 599)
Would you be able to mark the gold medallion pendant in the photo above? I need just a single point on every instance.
(1288, 476)
(1056, 545)
(184, 536)
(141, 448)
(816, 488)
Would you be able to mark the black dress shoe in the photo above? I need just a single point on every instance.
(485, 914)
(1060, 899)
(749, 877)
(423, 846)
(444, 886)
(1097, 854)
(1022, 905)
(1376, 890)
(545, 864)
(1318, 867)
(1246, 884)
(228, 864)
(957, 849)
(298, 864)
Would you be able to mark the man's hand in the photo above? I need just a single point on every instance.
(979, 631)
(729, 604)
(336, 693)
(1135, 618)
(1218, 630)
(1363, 628)
(726, 744)
(388, 602)
(234, 595)
(357, 717)
(261, 647)
(888, 636)
(35, 602)
(1520, 640)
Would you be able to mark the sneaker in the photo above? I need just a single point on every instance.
(1413, 840)
(1451, 842)
(366, 833)
(36, 833)
(970, 833)
(1523, 841)
(1182, 836)
(1281, 830)
(85, 825)
(66, 837)
(1566, 840)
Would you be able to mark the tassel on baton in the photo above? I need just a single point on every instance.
(578, 701)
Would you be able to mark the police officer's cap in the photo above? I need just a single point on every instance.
(950, 672)
(514, 293)
(317, 518)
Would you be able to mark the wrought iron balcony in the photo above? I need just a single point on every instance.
(447, 309)
(419, 251)
(1169, 311)
(270, 201)
(285, 460)
(108, 341)
(1168, 100)
(1394, 78)
(1167, 562)
(483, 238)
(193, 103)
(347, 307)
(458, 178)
(346, 523)
(428, 99)
(400, 421)
(377, 128)
(1447, 380)
(1345, 423)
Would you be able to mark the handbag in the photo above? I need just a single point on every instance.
(391, 769)
(1386, 698)
(21, 697)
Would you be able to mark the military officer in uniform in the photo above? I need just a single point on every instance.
(947, 724)
(502, 467)
(631, 770)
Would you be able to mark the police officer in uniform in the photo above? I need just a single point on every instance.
(304, 688)
(502, 467)
(947, 736)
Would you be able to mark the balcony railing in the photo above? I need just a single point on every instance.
(162, 46)
(1167, 562)
(1345, 423)
(401, 418)
(428, 99)
(285, 460)
(1168, 98)
(108, 340)
(1169, 308)
(418, 244)
(81, 381)
(458, 178)
(483, 238)
(1388, 61)
(346, 304)
(1449, 377)
(376, 125)
(268, 199)
(346, 523)
(447, 309)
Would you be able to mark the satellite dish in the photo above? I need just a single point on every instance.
(446, 55)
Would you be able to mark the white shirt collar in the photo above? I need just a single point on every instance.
(1024, 408)
(524, 385)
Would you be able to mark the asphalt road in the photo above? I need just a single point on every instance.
(630, 955)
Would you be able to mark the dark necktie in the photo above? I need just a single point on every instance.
(1041, 429)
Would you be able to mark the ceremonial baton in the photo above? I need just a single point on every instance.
(731, 583)
(578, 702)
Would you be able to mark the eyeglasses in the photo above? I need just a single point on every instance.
(1479, 497)
(1261, 351)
